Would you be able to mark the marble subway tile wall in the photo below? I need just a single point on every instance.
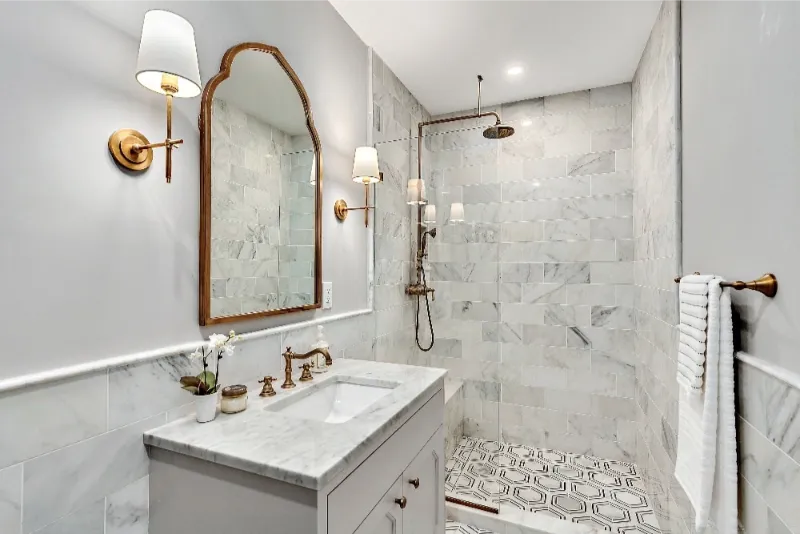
(534, 306)
(396, 114)
(71, 452)
(768, 430)
(656, 215)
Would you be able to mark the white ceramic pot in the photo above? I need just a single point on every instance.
(205, 407)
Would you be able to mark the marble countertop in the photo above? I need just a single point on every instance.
(299, 451)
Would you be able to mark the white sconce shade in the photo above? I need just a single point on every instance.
(457, 212)
(167, 47)
(365, 166)
(415, 193)
(430, 214)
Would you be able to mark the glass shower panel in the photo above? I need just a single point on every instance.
(463, 267)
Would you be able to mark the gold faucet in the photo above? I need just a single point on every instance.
(289, 356)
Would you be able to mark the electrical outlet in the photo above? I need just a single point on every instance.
(327, 295)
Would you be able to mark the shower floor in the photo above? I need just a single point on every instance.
(573, 487)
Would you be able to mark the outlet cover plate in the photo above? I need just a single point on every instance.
(327, 295)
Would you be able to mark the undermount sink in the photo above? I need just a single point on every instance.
(335, 401)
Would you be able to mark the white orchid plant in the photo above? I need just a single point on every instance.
(207, 382)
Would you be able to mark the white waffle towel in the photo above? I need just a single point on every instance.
(706, 464)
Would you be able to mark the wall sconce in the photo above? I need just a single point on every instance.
(365, 171)
(430, 214)
(415, 192)
(456, 212)
(167, 64)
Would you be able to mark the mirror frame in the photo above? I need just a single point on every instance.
(204, 124)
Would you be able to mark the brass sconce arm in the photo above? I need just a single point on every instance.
(341, 210)
(133, 151)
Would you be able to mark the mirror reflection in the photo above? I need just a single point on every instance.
(263, 192)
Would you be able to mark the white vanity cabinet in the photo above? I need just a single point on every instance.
(395, 486)
(414, 501)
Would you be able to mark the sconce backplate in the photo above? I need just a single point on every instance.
(340, 209)
(121, 143)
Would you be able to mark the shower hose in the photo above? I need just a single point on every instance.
(428, 310)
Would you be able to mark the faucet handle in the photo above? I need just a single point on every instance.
(267, 390)
(306, 376)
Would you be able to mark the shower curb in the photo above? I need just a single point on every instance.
(515, 522)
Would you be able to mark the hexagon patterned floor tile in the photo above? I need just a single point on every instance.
(573, 487)
(459, 528)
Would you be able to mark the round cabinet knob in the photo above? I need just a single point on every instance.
(402, 501)
(414, 482)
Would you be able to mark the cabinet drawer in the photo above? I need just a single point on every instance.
(357, 495)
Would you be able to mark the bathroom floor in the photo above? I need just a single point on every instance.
(573, 487)
(460, 528)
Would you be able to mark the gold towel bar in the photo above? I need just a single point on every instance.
(767, 284)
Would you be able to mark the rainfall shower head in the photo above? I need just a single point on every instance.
(498, 131)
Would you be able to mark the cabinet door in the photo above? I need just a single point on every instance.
(423, 486)
(387, 516)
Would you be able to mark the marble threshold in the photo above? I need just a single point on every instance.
(301, 451)
(61, 373)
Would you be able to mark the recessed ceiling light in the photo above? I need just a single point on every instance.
(514, 71)
(527, 122)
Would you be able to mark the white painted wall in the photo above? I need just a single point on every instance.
(96, 263)
(741, 155)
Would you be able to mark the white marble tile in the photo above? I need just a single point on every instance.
(597, 294)
(612, 272)
(615, 139)
(578, 186)
(612, 317)
(562, 315)
(481, 194)
(612, 95)
(567, 230)
(541, 169)
(771, 472)
(523, 313)
(475, 311)
(524, 109)
(86, 520)
(566, 273)
(614, 183)
(568, 143)
(546, 336)
(566, 103)
(521, 272)
(11, 499)
(521, 231)
(596, 162)
(143, 390)
(617, 228)
(65, 412)
(771, 406)
(544, 294)
(70, 478)
(128, 510)
(572, 208)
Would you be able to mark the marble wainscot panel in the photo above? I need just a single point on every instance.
(768, 429)
(255, 440)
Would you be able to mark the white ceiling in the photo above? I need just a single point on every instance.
(260, 87)
(437, 48)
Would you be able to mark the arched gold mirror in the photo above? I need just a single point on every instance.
(261, 190)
